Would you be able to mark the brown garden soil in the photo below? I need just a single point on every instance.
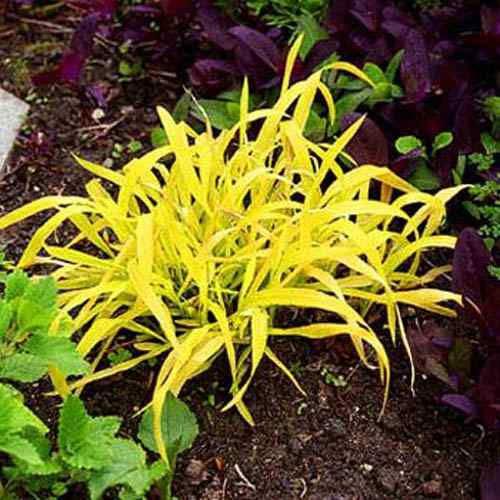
(326, 446)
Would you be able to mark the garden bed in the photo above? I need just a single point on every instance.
(329, 445)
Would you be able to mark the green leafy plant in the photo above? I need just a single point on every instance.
(485, 207)
(30, 340)
(88, 451)
(423, 176)
(295, 17)
(196, 259)
(424, 5)
(484, 202)
(179, 429)
(491, 106)
(118, 356)
(331, 378)
(351, 95)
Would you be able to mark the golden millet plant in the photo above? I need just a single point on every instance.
(201, 241)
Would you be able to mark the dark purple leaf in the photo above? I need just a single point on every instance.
(173, 8)
(337, 16)
(471, 278)
(321, 51)
(212, 75)
(470, 267)
(367, 12)
(489, 37)
(487, 392)
(96, 92)
(428, 356)
(491, 309)
(71, 65)
(215, 26)
(255, 47)
(405, 165)
(82, 41)
(105, 8)
(466, 127)
(415, 68)
(490, 482)
(368, 146)
(490, 20)
(462, 403)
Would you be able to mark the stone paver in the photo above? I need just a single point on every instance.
(12, 114)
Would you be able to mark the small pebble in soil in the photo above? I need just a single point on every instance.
(366, 467)
(196, 472)
(433, 489)
(98, 114)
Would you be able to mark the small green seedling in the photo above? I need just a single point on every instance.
(331, 378)
(119, 356)
(423, 177)
(134, 146)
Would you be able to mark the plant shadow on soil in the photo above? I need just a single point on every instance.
(326, 446)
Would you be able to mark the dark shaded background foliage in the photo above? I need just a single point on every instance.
(451, 59)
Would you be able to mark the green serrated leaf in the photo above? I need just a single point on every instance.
(20, 448)
(57, 351)
(472, 209)
(119, 356)
(232, 95)
(33, 317)
(84, 442)
(6, 317)
(178, 424)
(64, 326)
(345, 82)
(490, 144)
(492, 107)
(23, 367)
(494, 270)
(15, 416)
(313, 33)
(128, 467)
(42, 292)
(43, 447)
(16, 284)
